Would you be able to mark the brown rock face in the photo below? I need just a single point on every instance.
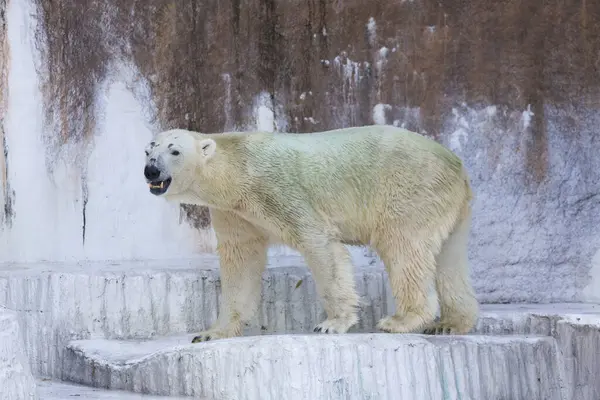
(463, 72)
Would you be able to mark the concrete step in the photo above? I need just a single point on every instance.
(351, 366)
(52, 390)
(58, 303)
(16, 380)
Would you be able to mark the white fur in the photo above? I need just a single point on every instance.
(401, 193)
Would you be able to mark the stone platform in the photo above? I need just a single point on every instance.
(128, 326)
(16, 380)
(352, 366)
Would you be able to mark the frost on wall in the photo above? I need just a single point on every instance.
(74, 60)
(8, 195)
(182, 49)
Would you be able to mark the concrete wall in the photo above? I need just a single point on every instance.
(510, 86)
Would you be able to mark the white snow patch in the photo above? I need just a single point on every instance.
(228, 107)
(460, 135)
(582, 319)
(378, 113)
(350, 69)
(264, 113)
(491, 111)
(381, 58)
(303, 96)
(526, 117)
(431, 28)
(120, 226)
(409, 114)
(123, 223)
(591, 292)
(372, 30)
(47, 210)
(324, 31)
(268, 116)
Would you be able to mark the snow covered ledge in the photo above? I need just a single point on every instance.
(350, 366)
(16, 380)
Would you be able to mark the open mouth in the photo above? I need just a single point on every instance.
(159, 187)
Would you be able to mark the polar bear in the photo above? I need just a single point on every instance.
(405, 195)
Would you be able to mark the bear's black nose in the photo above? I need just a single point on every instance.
(151, 172)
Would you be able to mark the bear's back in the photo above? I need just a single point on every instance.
(374, 147)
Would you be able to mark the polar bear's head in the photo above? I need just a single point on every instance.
(172, 159)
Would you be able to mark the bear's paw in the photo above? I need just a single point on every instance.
(409, 323)
(336, 325)
(446, 328)
(212, 335)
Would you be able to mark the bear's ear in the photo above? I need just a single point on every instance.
(206, 148)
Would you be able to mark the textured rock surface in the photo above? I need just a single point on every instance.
(533, 242)
(52, 390)
(144, 299)
(16, 380)
(359, 366)
(516, 95)
(576, 328)
(141, 300)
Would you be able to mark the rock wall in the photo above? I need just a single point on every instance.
(511, 86)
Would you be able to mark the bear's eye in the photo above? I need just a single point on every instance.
(175, 152)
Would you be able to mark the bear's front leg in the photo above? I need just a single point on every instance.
(243, 256)
(331, 268)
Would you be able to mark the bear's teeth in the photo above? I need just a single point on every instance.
(162, 184)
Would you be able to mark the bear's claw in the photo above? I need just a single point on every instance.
(441, 328)
(323, 330)
(211, 335)
(437, 331)
(201, 338)
(335, 325)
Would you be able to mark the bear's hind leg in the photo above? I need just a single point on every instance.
(332, 270)
(459, 307)
(411, 269)
(243, 256)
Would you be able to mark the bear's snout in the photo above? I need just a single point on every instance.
(151, 172)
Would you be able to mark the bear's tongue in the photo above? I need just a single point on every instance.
(152, 186)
